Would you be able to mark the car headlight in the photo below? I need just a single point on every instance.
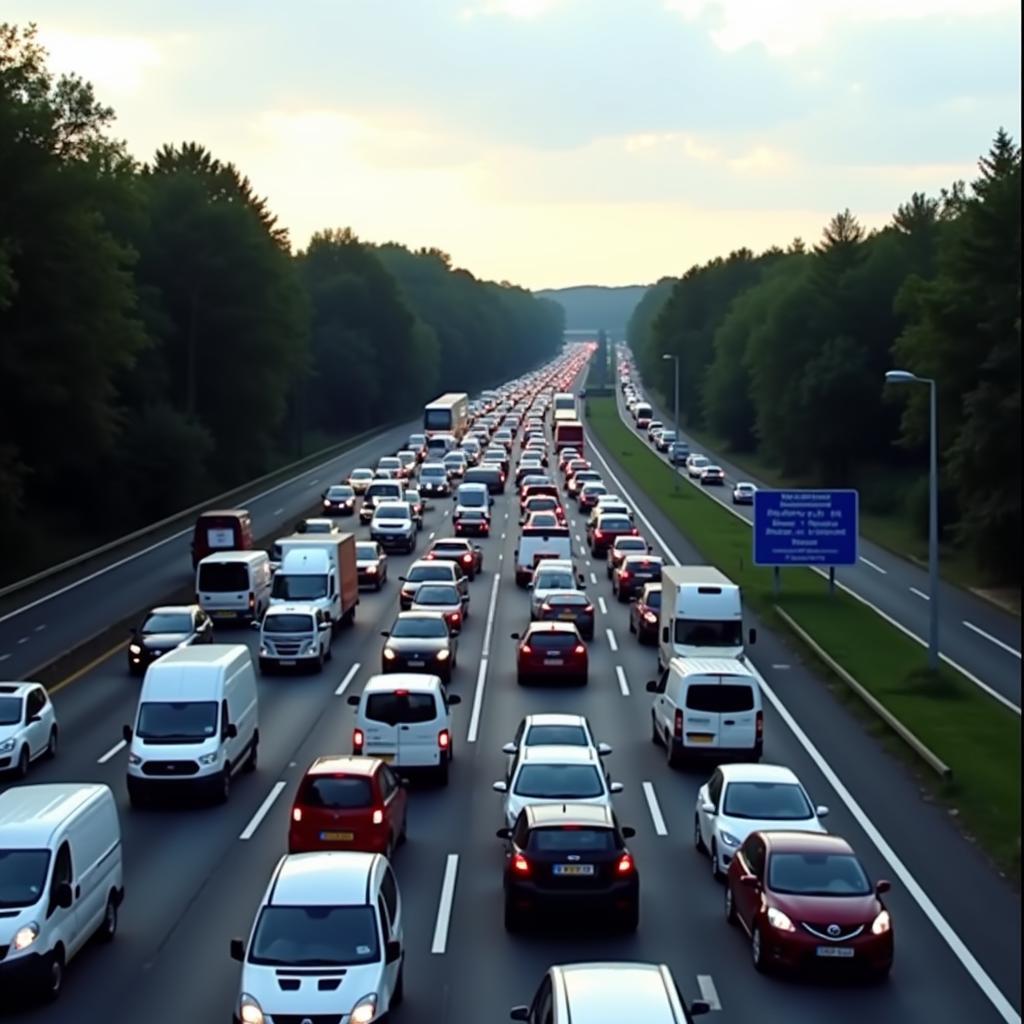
(208, 759)
(25, 936)
(134, 760)
(134, 649)
(729, 839)
(443, 655)
(249, 1010)
(881, 924)
(389, 655)
(7, 746)
(365, 1010)
(777, 919)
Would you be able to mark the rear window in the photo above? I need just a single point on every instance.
(401, 709)
(435, 593)
(380, 490)
(557, 735)
(721, 699)
(337, 792)
(221, 577)
(614, 523)
(553, 641)
(366, 551)
(654, 598)
(429, 572)
(582, 840)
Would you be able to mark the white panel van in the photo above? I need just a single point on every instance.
(197, 723)
(234, 585)
(61, 880)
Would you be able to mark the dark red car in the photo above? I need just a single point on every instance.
(533, 490)
(644, 613)
(606, 529)
(469, 556)
(348, 803)
(551, 650)
(807, 903)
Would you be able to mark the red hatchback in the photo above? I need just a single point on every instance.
(806, 902)
(348, 803)
(551, 650)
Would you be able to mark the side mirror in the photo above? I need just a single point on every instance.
(126, 732)
(64, 895)
(504, 833)
(750, 881)
(499, 787)
(353, 700)
(392, 951)
(603, 749)
(516, 636)
(580, 580)
(325, 625)
(698, 1008)
(385, 633)
(508, 748)
(255, 624)
(454, 699)
(652, 686)
(519, 1013)
(627, 831)
(821, 811)
(230, 731)
(615, 787)
(882, 886)
(238, 949)
(402, 579)
(708, 807)
(752, 636)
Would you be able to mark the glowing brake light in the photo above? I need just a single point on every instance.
(443, 739)
(296, 814)
(526, 649)
(520, 865)
(467, 559)
(598, 534)
(624, 574)
(760, 723)
(358, 739)
(677, 729)
(579, 649)
(625, 865)
(378, 816)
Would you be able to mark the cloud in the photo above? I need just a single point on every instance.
(510, 8)
(117, 65)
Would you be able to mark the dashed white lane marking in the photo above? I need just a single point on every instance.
(654, 807)
(39, 628)
(920, 593)
(279, 512)
(446, 511)
(432, 536)
(23, 640)
(444, 905)
(871, 565)
(261, 812)
(620, 673)
(593, 577)
(112, 752)
(612, 642)
(780, 667)
(4, 657)
(602, 606)
(992, 639)
(708, 992)
(314, 481)
(349, 676)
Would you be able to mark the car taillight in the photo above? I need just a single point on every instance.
(650, 617)
(589, 608)
(429, 556)
(520, 865)
(598, 534)
(624, 574)
(579, 649)
(678, 728)
(252, 600)
(760, 723)
(357, 741)
(443, 739)
(526, 649)
(296, 814)
(467, 559)
(455, 616)
(625, 865)
(378, 816)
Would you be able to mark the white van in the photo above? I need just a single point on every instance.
(534, 549)
(404, 719)
(234, 585)
(472, 496)
(295, 634)
(61, 880)
(197, 722)
(707, 707)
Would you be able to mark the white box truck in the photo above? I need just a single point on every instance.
(701, 615)
(319, 569)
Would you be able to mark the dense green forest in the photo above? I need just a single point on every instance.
(160, 340)
(592, 307)
(783, 354)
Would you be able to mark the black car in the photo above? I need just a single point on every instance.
(371, 564)
(420, 642)
(491, 476)
(164, 629)
(645, 612)
(633, 573)
(339, 500)
(475, 521)
(569, 858)
(434, 480)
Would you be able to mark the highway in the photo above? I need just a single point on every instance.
(193, 882)
(976, 637)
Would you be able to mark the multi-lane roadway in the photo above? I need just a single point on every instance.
(194, 875)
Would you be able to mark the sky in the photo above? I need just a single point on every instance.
(559, 142)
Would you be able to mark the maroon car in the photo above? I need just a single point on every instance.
(807, 903)
(551, 650)
(467, 555)
(604, 532)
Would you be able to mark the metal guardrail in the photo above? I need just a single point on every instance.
(307, 461)
(925, 753)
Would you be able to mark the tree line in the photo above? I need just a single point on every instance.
(162, 341)
(783, 354)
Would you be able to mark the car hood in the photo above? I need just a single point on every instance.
(407, 644)
(7, 731)
(847, 912)
(263, 984)
(160, 641)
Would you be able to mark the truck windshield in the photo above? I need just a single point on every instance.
(22, 877)
(288, 624)
(299, 588)
(177, 721)
(709, 633)
(437, 419)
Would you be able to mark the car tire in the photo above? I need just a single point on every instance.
(223, 791)
(672, 758)
(398, 996)
(757, 950)
(622, 596)
(108, 926)
(655, 735)
(377, 585)
(730, 906)
(52, 744)
(253, 758)
(320, 659)
(21, 768)
(522, 679)
(716, 868)
(632, 627)
(54, 983)
(698, 839)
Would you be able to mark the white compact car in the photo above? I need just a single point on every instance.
(550, 576)
(742, 798)
(327, 943)
(28, 726)
(552, 775)
(552, 730)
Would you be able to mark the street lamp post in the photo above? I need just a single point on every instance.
(906, 377)
(672, 457)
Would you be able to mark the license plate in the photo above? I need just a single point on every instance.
(286, 663)
(574, 869)
(699, 737)
(337, 837)
(553, 661)
(223, 615)
(835, 952)
(567, 615)
(416, 663)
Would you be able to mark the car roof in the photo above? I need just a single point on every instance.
(417, 682)
(555, 753)
(29, 815)
(325, 878)
(16, 689)
(344, 764)
(620, 991)
(552, 627)
(554, 718)
(756, 773)
(541, 815)
(787, 841)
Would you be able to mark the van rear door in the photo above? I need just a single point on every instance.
(418, 735)
(719, 713)
(401, 727)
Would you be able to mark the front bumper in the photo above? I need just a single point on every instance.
(798, 951)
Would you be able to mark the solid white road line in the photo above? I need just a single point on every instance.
(920, 593)
(491, 609)
(992, 639)
(112, 752)
(652, 805)
(871, 565)
(349, 676)
(944, 929)
(602, 606)
(708, 992)
(612, 643)
(481, 675)
(620, 673)
(257, 819)
(444, 906)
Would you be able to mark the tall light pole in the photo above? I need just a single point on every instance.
(672, 457)
(906, 377)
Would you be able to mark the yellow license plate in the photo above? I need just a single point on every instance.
(337, 837)
(700, 737)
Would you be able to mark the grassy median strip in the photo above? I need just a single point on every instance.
(975, 736)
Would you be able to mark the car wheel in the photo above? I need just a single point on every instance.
(632, 625)
(403, 836)
(698, 839)
(622, 596)
(378, 584)
(521, 679)
(223, 791)
(730, 906)
(442, 774)
(51, 746)
(655, 735)
(251, 760)
(54, 975)
(108, 926)
(757, 950)
(321, 658)
(21, 770)
(672, 758)
(716, 867)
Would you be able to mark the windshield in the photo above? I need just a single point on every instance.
(557, 735)
(22, 877)
(288, 624)
(559, 781)
(419, 573)
(223, 577)
(400, 708)
(437, 419)
(339, 493)
(767, 801)
(10, 710)
(177, 721)
(299, 588)
(168, 622)
(709, 633)
(315, 936)
(548, 580)
(419, 626)
(431, 593)
(721, 698)
(817, 874)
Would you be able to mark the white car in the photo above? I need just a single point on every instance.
(550, 576)
(743, 493)
(696, 464)
(327, 942)
(742, 798)
(359, 479)
(28, 726)
(552, 730)
(392, 525)
(553, 775)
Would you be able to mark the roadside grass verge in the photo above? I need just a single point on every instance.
(975, 736)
